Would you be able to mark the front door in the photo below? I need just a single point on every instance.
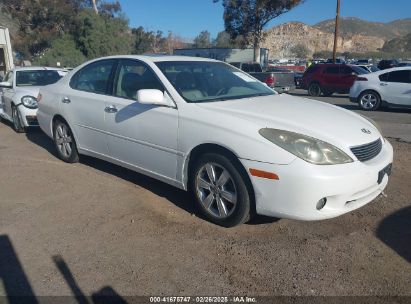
(396, 87)
(144, 136)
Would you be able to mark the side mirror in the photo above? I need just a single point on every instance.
(152, 97)
(6, 85)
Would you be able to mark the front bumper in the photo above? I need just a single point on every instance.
(28, 117)
(301, 185)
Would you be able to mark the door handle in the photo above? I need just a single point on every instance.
(383, 84)
(66, 100)
(110, 109)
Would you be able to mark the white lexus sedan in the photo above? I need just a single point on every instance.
(18, 94)
(205, 126)
(386, 88)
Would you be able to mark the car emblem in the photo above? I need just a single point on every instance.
(366, 131)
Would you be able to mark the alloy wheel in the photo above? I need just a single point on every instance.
(368, 101)
(64, 140)
(216, 190)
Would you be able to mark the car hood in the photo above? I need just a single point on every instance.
(31, 91)
(320, 120)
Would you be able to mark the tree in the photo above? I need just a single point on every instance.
(102, 35)
(300, 51)
(63, 50)
(248, 18)
(202, 40)
(223, 40)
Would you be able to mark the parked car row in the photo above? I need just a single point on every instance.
(207, 127)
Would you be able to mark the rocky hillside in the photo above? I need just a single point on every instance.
(354, 26)
(280, 40)
(402, 44)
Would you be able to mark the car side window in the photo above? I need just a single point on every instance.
(9, 77)
(399, 76)
(384, 77)
(345, 70)
(133, 76)
(94, 77)
(332, 70)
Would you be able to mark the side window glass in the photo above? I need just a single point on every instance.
(345, 70)
(332, 70)
(93, 77)
(399, 76)
(9, 78)
(134, 76)
(384, 77)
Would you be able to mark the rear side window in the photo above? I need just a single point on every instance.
(332, 70)
(94, 77)
(346, 70)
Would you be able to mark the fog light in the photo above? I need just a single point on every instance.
(321, 203)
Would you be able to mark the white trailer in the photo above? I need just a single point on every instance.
(6, 55)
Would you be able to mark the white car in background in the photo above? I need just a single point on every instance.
(206, 126)
(389, 88)
(19, 90)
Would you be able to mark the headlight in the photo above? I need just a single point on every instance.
(29, 102)
(374, 123)
(307, 148)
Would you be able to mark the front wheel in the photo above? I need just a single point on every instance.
(220, 190)
(64, 141)
(17, 125)
(369, 101)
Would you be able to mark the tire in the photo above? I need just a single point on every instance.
(17, 125)
(369, 101)
(64, 142)
(220, 190)
(314, 89)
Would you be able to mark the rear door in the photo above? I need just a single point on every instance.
(83, 104)
(7, 94)
(330, 78)
(346, 78)
(396, 87)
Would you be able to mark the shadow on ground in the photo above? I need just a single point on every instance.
(18, 290)
(395, 232)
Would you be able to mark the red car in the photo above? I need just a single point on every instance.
(327, 79)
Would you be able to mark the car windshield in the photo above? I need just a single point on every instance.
(202, 81)
(36, 78)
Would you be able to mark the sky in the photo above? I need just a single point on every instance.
(187, 18)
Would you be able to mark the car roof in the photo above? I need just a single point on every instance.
(36, 68)
(392, 70)
(158, 58)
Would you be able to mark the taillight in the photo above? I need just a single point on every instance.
(270, 81)
(361, 79)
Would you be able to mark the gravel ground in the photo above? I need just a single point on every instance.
(93, 228)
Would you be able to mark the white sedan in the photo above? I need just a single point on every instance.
(18, 95)
(389, 88)
(205, 126)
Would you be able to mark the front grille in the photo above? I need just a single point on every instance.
(367, 151)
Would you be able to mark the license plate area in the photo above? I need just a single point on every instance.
(387, 170)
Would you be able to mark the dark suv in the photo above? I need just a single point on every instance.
(327, 79)
(388, 64)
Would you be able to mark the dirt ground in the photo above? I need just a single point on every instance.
(94, 228)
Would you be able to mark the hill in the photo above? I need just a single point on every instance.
(402, 44)
(356, 26)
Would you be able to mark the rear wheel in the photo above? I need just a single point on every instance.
(220, 191)
(64, 141)
(17, 125)
(314, 89)
(369, 101)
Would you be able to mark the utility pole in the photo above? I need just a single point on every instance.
(337, 24)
